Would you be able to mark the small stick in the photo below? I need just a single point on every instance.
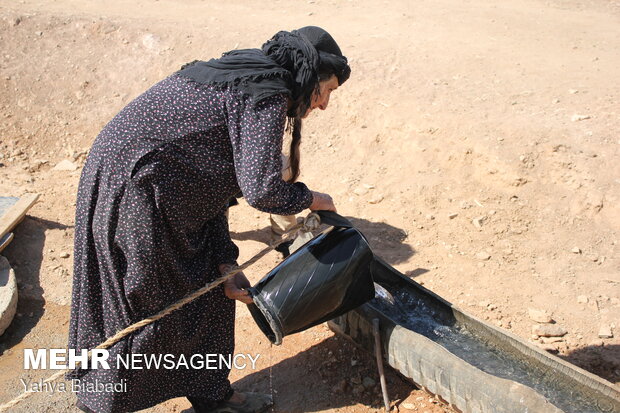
(375, 331)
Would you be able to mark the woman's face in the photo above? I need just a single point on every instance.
(321, 99)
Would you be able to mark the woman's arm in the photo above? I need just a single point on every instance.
(256, 132)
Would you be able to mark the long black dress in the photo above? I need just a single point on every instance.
(150, 228)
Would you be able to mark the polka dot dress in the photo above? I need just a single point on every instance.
(150, 228)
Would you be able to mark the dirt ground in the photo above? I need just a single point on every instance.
(476, 145)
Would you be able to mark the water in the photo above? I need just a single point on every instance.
(418, 314)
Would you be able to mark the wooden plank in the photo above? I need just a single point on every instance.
(16, 213)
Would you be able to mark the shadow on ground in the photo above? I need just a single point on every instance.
(604, 361)
(331, 374)
(25, 254)
(386, 241)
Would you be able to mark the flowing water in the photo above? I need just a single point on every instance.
(417, 313)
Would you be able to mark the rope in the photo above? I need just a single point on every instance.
(310, 223)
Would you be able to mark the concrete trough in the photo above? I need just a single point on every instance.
(472, 365)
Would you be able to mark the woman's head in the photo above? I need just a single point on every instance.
(320, 97)
(317, 67)
(311, 56)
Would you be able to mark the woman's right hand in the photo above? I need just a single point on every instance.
(322, 202)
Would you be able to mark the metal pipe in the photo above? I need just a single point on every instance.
(375, 330)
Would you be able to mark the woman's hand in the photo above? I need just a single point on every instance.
(235, 287)
(322, 202)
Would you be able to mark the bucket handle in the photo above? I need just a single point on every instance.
(334, 219)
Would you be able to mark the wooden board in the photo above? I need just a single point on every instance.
(12, 211)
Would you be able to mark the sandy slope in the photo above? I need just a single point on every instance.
(477, 141)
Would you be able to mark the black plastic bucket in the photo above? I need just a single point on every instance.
(327, 277)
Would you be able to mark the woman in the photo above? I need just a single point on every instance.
(150, 220)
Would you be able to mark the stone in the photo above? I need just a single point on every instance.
(549, 340)
(64, 255)
(577, 118)
(540, 316)
(483, 256)
(376, 199)
(596, 343)
(605, 331)
(65, 165)
(478, 221)
(360, 191)
(582, 299)
(453, 215)
(408, 406)
(340, 387)
(551, 347)
(368, 382)
(576, 250)
(549, 330)
(151, 42)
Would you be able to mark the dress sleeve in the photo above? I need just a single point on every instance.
(256, 132)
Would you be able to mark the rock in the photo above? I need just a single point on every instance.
(576, 250)
(551, 347)
(605, 331)
(549, 330)
(150, 41)
(360, 191)
(596, 343)
(540, 316)
(430, 217)
(64, 255)
(376, 199)
(65, 165)
(484, 303)
(368, 382)
(39, 33)
(577, 118)
(549, 340)
(408, 406)
(593, 305)
(453, 215)
(582, 299)
(478, 221)
(483, 256)
(519, 181)
(340, 387)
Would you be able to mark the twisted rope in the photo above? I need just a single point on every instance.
(310, 223)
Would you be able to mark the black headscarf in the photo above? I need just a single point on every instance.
(289, 63)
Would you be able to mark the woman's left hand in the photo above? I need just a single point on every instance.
(235, 287)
